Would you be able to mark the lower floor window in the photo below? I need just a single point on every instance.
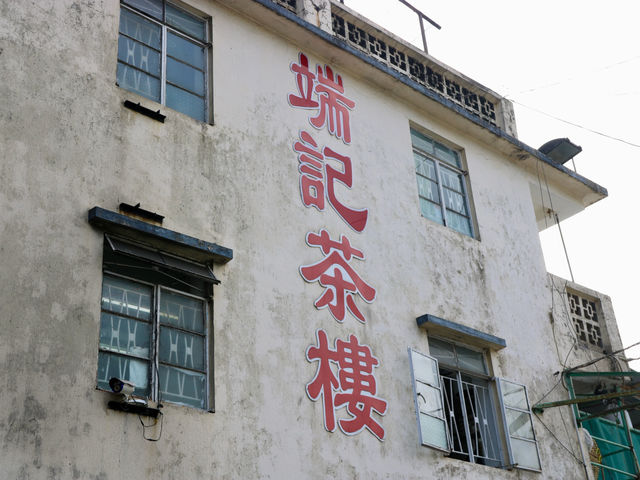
(461, 408)
(155, 326)
(472, 426)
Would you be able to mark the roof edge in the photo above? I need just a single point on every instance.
(338, 43)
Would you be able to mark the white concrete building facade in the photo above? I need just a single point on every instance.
(312, 248)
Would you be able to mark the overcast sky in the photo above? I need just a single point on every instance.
(578, 61)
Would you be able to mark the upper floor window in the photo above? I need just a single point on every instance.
(163, 55)
(442, 188)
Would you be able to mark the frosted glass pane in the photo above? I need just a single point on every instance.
(425, 369)
(186, 22)
(136, 54)
(143, 30)
(451, 180)
(421, 142)
(124, 335)
(433, 431)
(126, 368)
(182, 386)
(519, 424)
(428, 189)
(431, 211)
(454, 201)
(184, 50)
(525, 453)
(151, 7)
(443, 351)
(513, 395)
(447, 155)
(181, 349)
(425, 167)
(186, 103)
(138, 82)
(471, 360)
(459, 223)
(181, 311)
(126, 297)
(429, 400)
(185, 76)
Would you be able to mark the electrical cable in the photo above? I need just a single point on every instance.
(144, 428)
(546, 225)
(601, 358)
(560, 82)
(544, 175)
(567, 315)
(558, 440)
(564, 246)
(549, 392)
(563, 296)
(564, 424)
(610, 137)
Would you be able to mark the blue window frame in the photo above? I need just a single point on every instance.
(163, 55)
(442, 188)
(155, 324)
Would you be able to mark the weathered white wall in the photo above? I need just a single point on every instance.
(68, 144)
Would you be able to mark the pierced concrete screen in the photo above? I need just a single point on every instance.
(584, 314)
(416, 69)
(288, 4)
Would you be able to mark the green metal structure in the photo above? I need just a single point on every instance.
(618, 444)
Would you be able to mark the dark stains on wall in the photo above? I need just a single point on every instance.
(24, 426)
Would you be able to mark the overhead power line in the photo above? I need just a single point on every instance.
(580, 76)
(621, 140)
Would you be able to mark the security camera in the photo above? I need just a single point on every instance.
(123, 387)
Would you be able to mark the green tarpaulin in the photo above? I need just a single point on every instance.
(612, 455)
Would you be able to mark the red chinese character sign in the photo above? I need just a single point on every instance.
(317, 180)
(354, 387)
(332, 104)
(340, 280)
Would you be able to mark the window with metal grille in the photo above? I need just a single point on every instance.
(471, 421)
(155, 324)
(442, 188)
(456, 407)
(163, 55)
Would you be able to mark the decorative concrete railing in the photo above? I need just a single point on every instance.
(587, 315)
(406, 59)
(412, 63)
(288, 4)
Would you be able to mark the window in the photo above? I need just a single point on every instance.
(456, 406)
(163, 55)
(442, 188)
(584, 313)
(155, 324)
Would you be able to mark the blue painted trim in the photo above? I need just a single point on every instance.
(432, 322)
(341, 44)
(190, 247)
